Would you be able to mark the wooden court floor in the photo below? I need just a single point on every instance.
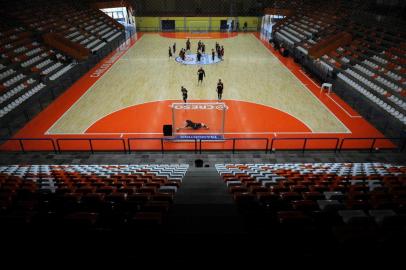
(145, 74)
(130, 92)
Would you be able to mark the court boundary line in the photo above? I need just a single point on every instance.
(310, 79)
(348, 131)
(121, 53)
(349, 115)
(123, 108)
(191, 102)
(332, 99)
(307, 89)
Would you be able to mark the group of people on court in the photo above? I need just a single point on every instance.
(201, 50)
(201, 74)
(170, 50)
(182, 54)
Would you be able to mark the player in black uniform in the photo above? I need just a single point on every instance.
(174, 48)
(182, 54)
(199, 45)
(220, 88)
(170, 52)
(184, 93)
(200, 74)
(188, 45)
(192, 125)
(218, 50)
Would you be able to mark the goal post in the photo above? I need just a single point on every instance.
(198, 26)
(211, 115)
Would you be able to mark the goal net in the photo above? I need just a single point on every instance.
(198, 26)
(212, 115)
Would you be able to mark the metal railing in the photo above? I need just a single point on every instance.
(162, 142)
(234, 140)
(90, 140)
(21, 142)
(305, 140)
(338, 144)
(400, 146)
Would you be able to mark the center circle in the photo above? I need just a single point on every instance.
(191, 59)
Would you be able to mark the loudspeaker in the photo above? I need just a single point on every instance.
(167, 130)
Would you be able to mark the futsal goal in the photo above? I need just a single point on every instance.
(212, 115)
(198, 26)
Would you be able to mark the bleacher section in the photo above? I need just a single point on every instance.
(88, 27)
(91, 197)
(20, 78)
(348, 202)
(31, 67)
(372, 64)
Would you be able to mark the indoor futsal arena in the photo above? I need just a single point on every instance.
(200, 130)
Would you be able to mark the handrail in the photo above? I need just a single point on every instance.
(337, 140)
(90, 140)
(129, 140)
(237, 139)
(401, 140)
(176, 140)
(339, 143)
(374, 140)
(21, 140)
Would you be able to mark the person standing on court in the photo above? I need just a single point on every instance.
(213, 54)
(200, 74)
(188, 45)
(170, 52)
(174, 48)
(184, 93)
(220, 87)
(218, 49)
(199, 45)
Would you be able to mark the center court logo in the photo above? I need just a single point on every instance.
(219, 107)
(191, 59)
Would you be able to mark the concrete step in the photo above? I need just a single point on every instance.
(203, 206)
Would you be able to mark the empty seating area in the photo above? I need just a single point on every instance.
(344, 201)
(88, 197)
(376, 78)
(310, 24)
(369, 66)
(26, 66)
(31, 68)
(372, 64)
(82, 25)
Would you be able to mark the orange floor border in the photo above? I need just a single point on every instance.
(38, 126)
